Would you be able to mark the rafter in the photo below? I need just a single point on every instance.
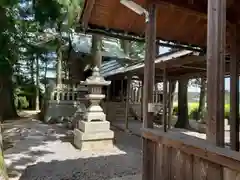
(196, 6)
(88, 7)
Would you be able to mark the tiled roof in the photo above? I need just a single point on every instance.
(114, 67)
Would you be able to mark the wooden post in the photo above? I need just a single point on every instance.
(121, 92)
(113, 90)
(234, 92)
(170, 89)
(215, 70)
(149, 68)
(127, 103)
(142, 100)
(108, 102)
(165, 120)
(149, 74)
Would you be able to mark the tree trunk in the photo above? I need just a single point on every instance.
(96, 51)
(45, 76)
(37, 85)
(59, 66)
(32, 101)
(125, 44)
(173, 88)
(183, 121)
(201, 100)
(7, 106)
(3, 170)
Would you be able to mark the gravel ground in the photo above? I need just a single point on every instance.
(43, 152)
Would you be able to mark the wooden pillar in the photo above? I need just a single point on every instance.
(170, 89)
(108, 102)
(165, 120)
(121, 91)
(215, 70)
(149, 68)
(234, 92)
(127, 103)
(142, 100)
(149, 80)
(113, 90)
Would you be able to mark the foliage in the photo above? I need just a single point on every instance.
(20, 99)
(193, 109)
(195, 82)
(21, 102)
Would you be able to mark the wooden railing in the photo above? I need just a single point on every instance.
(178, 156)
(135, 98)
(136, 95)
(133, 111)
(68, 93)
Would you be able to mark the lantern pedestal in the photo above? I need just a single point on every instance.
(93, 131)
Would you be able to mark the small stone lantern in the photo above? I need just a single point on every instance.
(93, 130)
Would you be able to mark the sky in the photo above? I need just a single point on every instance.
(227, 86)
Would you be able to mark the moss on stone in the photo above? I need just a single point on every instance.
(3, 170)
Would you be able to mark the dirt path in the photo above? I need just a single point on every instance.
(41, 151)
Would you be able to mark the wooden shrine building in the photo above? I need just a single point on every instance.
(210, 26)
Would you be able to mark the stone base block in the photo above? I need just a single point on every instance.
(90, 116)
(94, 126)
(93, 140)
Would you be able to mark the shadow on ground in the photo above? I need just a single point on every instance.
(42, 151)
(24, 142)
(95, 168)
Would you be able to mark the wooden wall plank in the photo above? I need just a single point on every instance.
(178, 164)
(199, 169)
(188, 164)
(159, 162)
(148, 159)
(229, 174)
(214, 171)
(166, 163)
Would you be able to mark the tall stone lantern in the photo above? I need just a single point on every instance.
(93, 131)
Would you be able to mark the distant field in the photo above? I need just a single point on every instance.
(193, 106)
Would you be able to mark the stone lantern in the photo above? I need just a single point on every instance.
(93, 131)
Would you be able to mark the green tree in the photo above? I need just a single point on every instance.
(58, 17)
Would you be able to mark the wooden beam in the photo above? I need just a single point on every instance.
(234, 92)
(215, 70)
(93, 29)
(181, 61)
(196, 7)
(87, 13)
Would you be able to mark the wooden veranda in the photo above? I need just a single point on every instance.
(212, 25)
